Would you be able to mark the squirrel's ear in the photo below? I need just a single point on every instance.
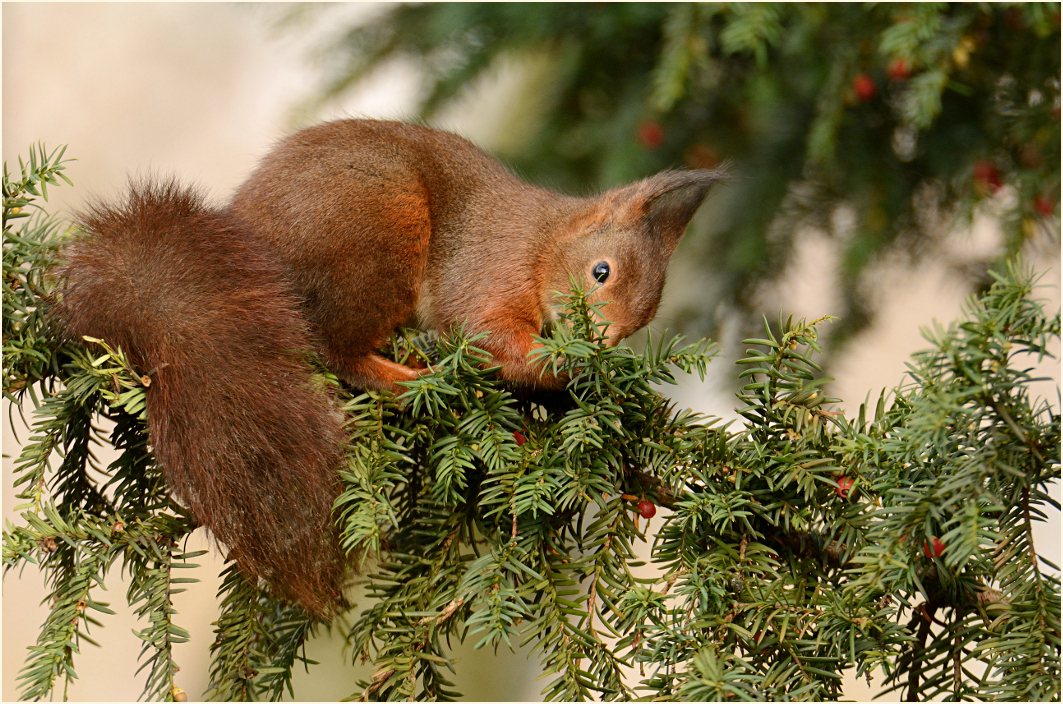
(666, 202)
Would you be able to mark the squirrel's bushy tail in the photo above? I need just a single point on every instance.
(243, 435)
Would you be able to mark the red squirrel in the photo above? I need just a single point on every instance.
(345, 231)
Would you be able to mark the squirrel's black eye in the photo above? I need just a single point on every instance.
(601, 272)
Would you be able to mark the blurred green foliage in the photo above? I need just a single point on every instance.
(909, 115)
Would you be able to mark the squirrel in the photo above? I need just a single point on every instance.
(345, 231)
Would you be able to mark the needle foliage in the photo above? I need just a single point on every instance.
(787, 549)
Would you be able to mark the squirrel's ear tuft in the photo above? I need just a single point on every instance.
(668, 200)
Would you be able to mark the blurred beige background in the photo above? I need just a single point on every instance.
(203, 90)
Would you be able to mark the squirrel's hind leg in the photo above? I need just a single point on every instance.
(374, 372)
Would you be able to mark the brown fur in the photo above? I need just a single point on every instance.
(343, 232)
(366, 214)
(243, 437)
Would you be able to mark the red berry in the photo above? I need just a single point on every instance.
(1044, 205)
(519, 438)
(934, 545)
(647, 509)
(987, 175)
(651, 134)
(845, 484)
(864, 87)
(899, 69)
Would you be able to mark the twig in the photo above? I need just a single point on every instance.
(665, 496)
(916, 669)
(378, 681)
(443, 615)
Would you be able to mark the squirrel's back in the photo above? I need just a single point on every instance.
(246, 438)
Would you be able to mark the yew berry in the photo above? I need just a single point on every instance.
(935, 546)
(864, 87)
(1044, 205)
(647, 509)
(519, 437)
(987, 175)
(845, 485)
(899, 69)
(651, 134)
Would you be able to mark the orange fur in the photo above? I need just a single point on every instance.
(343, 232)
(365, 213)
